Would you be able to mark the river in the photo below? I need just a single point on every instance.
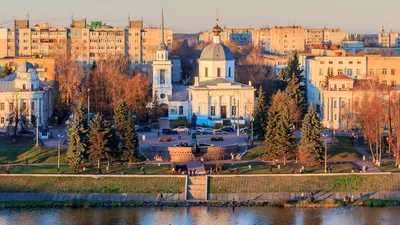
(200, 215)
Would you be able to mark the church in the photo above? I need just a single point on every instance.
(215, 97)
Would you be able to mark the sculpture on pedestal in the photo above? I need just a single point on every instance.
(193, 130)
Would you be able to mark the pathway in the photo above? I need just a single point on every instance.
(360, 164)
(197, 185)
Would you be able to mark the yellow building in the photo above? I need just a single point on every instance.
(386, 69)
(45, 66)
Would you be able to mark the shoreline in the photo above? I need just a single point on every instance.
(227, 204)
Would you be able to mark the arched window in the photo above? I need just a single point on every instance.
(162, 76)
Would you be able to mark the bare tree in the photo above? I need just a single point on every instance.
(18, 115)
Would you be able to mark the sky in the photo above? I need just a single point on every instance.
(190, 16)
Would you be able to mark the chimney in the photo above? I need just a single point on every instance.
(250, 83)
(196, 81)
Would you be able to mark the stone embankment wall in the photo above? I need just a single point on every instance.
(295, 187)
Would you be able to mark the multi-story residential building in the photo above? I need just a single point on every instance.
(286, 40)
(23, 91)
(388, 39)
(239, 36)
(386, 69)
(261, 38)
(86, 43)
(44, 66)
(324, 36)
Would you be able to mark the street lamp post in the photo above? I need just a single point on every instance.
(59, 153)
(88, 108)
(326, 152)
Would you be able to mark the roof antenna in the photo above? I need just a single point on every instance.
(217, 15)
(162, 22)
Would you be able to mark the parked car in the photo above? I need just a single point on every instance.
(219, 132)
(228, 129)
(217, 138)
(168, 131)
(25, 132)
(206, 131)
(144, 129)
(182, 129)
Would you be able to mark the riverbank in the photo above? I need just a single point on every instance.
(294, 204)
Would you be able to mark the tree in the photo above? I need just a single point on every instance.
(99, 139)
(128, 139)
(260, 115)
(7, 70)
(328, 76)
(279, 139)
(295, 100)
(293, 68)
(394, 125)
(311, 151)
(156, 110)
(78, 143)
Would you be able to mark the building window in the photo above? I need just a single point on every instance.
(393, 71)
(371, 72)
(358, 62)
(24, 106)
(384, 71)
(384, 82)
(11, 106)
(340, 71)
(32, 105)
(358, 72)
(334, 104)
(350, 72)
(218, 72)
(335, 117)
(330, 62)
(1, 106)
(180, 110)
(350, 62)
(322, 62)
(343, 86)
(321, 72)
(2, 120)
(229, 72)
(162, 76)
(23, 86)
(233, 110)
(393, 83)
(206, 72)
(340, 62)
(212, 110)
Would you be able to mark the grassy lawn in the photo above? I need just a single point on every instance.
(339, 153)
(298, 183)
(254, 153)
(24, 149)
(265, 168)
(92, 184)
(389, 167)
(150, 169)
(345, 141)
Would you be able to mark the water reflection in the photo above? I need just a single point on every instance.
(201, 215)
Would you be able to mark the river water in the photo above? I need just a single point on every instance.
(200, 215)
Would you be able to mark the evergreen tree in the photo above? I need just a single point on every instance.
(311, 151)
(7, 70)
(125, 127)
(130, 143)
(78, 143)
(278, 137)
(328, 76)
(99, 139)
(260, 115)
(284, 144)
(156, 110)
(295, 100)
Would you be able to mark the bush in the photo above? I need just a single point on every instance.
(164, 139)
(181, 121)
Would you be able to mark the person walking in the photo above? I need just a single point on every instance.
(8, 169)
(202, 161)
(194, 172)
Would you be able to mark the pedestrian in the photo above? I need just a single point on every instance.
(142, 171)
(302, 169)
(8, 169)
(58, 169)
(179, 171)
(202, 161)
(26, 161)
(363, 157)
(211, 170)
(159, 197)
(194, 172)
(366, 168)
(173, 171)
(259, 156)
(352, 198)
(190, 172)
(162, 197)
(293, 170)
(100, 171)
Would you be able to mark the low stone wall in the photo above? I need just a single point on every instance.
(296, 196)
(59, 197)
(181, 154)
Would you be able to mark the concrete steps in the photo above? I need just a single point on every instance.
(197, 188)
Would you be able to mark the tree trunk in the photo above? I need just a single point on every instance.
(284, 160)
(130, 162)
(98, 163)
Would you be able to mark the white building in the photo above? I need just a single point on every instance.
(215, 97)
(23, 91)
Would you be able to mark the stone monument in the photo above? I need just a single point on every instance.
(193, 131)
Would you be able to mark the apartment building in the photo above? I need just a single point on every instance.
(388, 39)
(324, 36)
(44, 66)
(286, 40)
(87, 43)
(386, 69)
(239, 36)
